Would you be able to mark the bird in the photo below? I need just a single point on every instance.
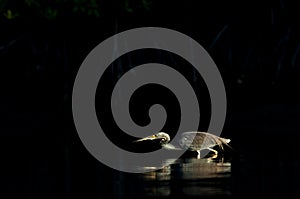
(192, 141)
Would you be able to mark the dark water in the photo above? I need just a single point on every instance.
(184, 178)
(260, 169)
(190, 178)
(255, 169)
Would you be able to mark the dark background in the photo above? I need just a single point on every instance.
(256, 46)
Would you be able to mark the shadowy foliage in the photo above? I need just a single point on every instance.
(12, 9)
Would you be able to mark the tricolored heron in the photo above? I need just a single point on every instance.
(193, 141)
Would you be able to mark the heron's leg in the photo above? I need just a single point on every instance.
(198, 156)
(214, 156)
(216, 152)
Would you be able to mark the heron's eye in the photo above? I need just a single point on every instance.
(163, 139)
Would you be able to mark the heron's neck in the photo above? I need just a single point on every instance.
(170, 147)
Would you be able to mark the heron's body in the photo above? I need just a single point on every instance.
(193, 141)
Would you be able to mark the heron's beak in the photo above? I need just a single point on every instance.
(151, 137)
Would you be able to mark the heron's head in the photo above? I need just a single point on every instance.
(163, 137)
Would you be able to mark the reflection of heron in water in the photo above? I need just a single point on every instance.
(193, 141)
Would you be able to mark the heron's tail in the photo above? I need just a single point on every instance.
(225, 141)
